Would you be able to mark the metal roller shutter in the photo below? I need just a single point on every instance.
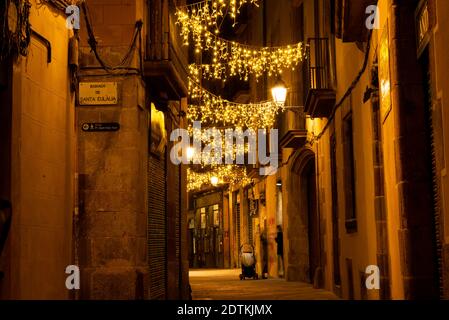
(174, 216)
(177, 200)
(157, 227)
(435, 175)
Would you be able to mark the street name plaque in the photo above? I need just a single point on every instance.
(98, 93)
(100, 127)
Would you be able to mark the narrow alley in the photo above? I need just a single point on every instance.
(156, 149)
(219, 284)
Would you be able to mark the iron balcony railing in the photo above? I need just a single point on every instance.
(317, 68)
(163, 40)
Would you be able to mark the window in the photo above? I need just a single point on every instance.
(191, 224)
(203, 219)
(216, 215)
(349, 175)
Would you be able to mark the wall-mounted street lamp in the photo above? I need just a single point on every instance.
(279, 93)
(190, 153)
(214, 181)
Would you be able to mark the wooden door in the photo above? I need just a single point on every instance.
(314, 237)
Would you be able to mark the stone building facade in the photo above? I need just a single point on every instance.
(363, 178)
(133, 234)
(37, 155)
(85, 115)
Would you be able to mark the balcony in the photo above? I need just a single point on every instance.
(165, 57)
(320, 94)
(293, 131)
(292, 122)
(350, 19)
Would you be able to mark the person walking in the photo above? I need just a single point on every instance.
(280, 244)
(264, 247)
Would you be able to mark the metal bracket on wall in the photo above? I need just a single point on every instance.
(44, 40)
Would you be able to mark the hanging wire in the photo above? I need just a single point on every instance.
(127, 59)
(18, 42)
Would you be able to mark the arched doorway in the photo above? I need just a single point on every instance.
(308, 191)
(304, 222)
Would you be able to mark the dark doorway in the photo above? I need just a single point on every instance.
(209, 241)
(309, 178)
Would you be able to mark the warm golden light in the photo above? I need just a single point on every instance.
(232, 59)
(384, 75)
(279, 93)
(212, 110)
(190, 153)
(206, 15)
(225, 174)
(214, 181)
(199, 27)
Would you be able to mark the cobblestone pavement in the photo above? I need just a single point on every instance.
(225, 285)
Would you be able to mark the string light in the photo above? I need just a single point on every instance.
(227, 151)
(235, 59)
(199, 17)
(222, 175)
(205, 15)
(201, 22)
(237, 5)
(216, 111)
(229, 57)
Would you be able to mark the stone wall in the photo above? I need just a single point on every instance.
(39, 247)
(112, 197)
(112, 166)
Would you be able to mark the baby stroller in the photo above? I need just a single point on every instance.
(248, 257)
